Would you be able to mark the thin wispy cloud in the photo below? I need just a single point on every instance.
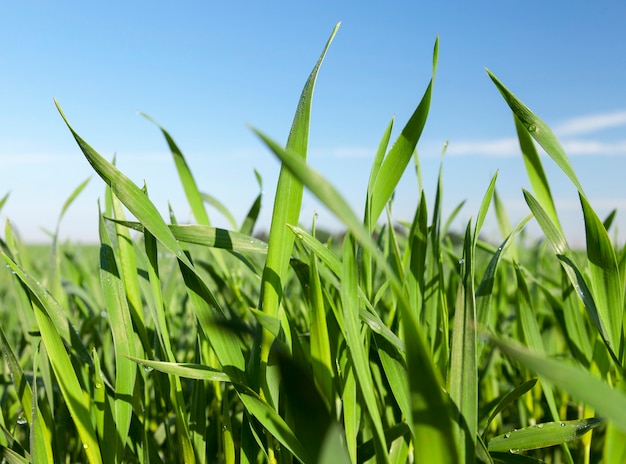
(570, 133)
(590, 124)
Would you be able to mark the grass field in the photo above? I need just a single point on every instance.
(398, 342)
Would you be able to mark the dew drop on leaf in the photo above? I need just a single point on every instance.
(21, 420)
(532, 128)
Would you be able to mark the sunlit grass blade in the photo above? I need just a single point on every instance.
(121, 325)
(321, 357)
(509, 399)
(194, 197)
(400, 153)
(581, 384)
(539, 130)
(607, 286)
(431, 422)
(67, 379)
(535, 171)
(218, 205)
(543, 435)
(288, 197)
(463, 363)
(129, 194)
(358, 354)
(40, 437)
(229, 353)
(186, 370)
(249, 222)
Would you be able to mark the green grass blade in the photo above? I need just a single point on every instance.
(581, 384)
(400, 153)
(378, 161)
(288, 198)
(121, 325)
(67, 379)
(186, 370)
(321, 357)
(194, 197)
(358, 353)
(606, 284)
(535, 171)
(218, 205)
(539, 130)
(40, 437)
(542, 435)
(463, 361)
(509, 399)
(129, 194)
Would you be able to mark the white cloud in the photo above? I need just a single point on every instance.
(576, 127)
(499, 147)
(591, 123)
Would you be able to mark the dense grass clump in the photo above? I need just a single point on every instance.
(398, 342)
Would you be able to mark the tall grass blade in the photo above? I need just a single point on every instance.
(288, 197)
(400, 153)
(606, 283)
(121, 325)
(608, 402)
(194, 197)
(539, 130)
(67, 379)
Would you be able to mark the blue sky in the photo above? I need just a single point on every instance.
(207, 71)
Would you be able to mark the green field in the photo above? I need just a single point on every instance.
(396, 342)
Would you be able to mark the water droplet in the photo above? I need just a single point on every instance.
(562, 424)
(224, 428)
(514, 450)
(461, 261)
(532, 128)
(148, 369)
(507, 435)
(85, 446)
(98, 385)
(21, 420)
(179, 253)
(103, 314)
(539, 426)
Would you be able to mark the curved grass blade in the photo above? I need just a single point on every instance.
(463, 356)
(186, 370)
(194, 197)
(288, 198)
(218, 205)
(204, 303)
(123, 339)
(539, 130)
(398, 158)
(543, 435)
(581, 384)
(73, 393)
(510, 398)
(432, 426)
(606, 284)
(535, 171)
(40, 437)
(358, 354)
